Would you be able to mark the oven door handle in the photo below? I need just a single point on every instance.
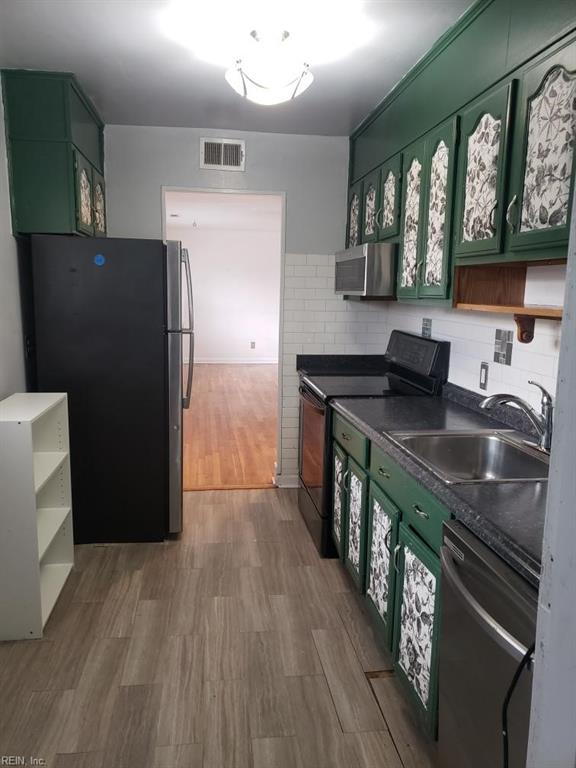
(496, 631)
(309, 397)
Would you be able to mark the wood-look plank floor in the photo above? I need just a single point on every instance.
(230, 427)
(236, 646)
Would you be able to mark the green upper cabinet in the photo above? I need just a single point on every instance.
(480, 208)
(371, 206)
(388, 218)
(542, 171)
(413, 199)
(354, 231)
(435, 273)
(55, 154)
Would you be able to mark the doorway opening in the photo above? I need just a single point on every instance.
(234, 243)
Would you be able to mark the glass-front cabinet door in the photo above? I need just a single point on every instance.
(354, 232)
(339, 476)
(355, 549)
(435, 275)
(84, 194)
(482, 165)
(388, 218)
(99, 203)
(409, 261)
(542, 174)
(417, 623)
(371, 206)
(382, 530)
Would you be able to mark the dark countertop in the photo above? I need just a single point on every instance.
(508, 517)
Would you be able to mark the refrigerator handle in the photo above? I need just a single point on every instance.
(189, 331)
(186, 260)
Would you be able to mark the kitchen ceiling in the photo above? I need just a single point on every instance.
(137, 76)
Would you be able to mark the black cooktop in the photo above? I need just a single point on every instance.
(330, 387)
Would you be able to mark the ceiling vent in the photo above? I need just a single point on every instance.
(222, 154)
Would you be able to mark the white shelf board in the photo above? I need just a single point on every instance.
(45, 464)
(29, 406)
(52, 579)
(50, 520)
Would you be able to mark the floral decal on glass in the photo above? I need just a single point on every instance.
(378, 576)
(417, 624)
(354, 220)
(436, 216)
(549, 153)
(99, 209)
(337, 512)
(411, 223)
(481, 180)
(85, 198)
(354, 520)
(389, 201)
(370, 211)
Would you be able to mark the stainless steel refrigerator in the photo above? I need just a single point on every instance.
(105, 322)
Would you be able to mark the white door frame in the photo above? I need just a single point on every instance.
(282, 196)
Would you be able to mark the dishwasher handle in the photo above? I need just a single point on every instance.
(496, 631)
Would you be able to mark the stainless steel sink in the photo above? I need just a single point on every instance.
(475, 457)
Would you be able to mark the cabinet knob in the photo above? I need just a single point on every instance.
(345, 436)
(382, 472)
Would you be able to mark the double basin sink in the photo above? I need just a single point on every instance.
(476, 457)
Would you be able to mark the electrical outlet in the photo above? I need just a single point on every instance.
(252, 345)
(483, 376)
(426, 327)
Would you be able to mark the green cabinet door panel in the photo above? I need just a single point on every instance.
(542, 171)
(382, 536)
(36, 105)
(99, 203)
(413, 201)
(482, 165)
(339, 476)
(355, 528)
(416, 620)
(85, 129)
(434, 278)
(42, 185)
(370, 206)
(354, 228)
(84, 195)
(388, 218)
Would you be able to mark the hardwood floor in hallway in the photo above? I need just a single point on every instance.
(236, 646)
(230, 427)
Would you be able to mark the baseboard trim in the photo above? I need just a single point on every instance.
(287, 481)
(248, 361)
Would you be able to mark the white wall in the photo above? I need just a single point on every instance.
(236, 288)
(312, 170)
(318, 322)
(11, 352)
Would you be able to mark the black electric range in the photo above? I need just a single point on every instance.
(412, 366)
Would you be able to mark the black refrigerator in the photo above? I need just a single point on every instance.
(104, 322)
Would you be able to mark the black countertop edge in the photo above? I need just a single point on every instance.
(507, 414)
(454, 496)
(347, 365)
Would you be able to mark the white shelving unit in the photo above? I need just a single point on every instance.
(36, 541)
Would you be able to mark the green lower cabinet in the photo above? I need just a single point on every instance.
(417, 615)
(339, 470)
(355, 528)
(382, 537)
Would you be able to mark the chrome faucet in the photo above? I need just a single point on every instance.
(542, 422)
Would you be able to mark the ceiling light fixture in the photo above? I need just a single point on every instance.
(268, 46)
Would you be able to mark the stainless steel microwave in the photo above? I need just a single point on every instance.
(367, 270)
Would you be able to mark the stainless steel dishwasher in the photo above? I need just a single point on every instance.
(488, 623)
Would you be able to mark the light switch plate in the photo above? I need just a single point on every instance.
(483, 384)
(426, 327)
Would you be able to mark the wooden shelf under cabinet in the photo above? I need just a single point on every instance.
(500, 288)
